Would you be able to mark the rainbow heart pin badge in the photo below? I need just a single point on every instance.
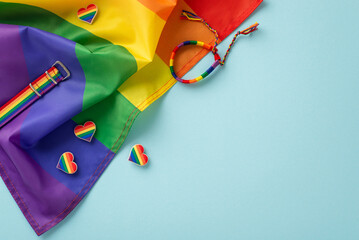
(137, 155)
(88, 14)
(85, 132)
(66, 163)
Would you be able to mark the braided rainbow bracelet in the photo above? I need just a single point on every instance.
(217, 59)
(216, 63)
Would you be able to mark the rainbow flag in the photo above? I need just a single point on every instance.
(118, 65)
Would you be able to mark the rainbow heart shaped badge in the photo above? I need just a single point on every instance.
(66, 163)
(138, 156)
(85, 132)
(88, 14)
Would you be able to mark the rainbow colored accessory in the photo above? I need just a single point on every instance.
(137, 155)
(88, 14)
(32, 92)
(66, 163)
(213, 49)
(217, 59)
(85, 132)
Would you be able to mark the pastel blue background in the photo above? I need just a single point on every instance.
(267, 148)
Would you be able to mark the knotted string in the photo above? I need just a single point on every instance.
(193, 17)
(218, 61)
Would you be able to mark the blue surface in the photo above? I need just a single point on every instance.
(267, 148)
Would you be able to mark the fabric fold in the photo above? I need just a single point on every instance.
(119, 66)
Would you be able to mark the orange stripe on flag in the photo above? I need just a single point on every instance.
(178, 30)
(162, 8)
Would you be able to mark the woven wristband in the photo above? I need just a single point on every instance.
(217, 60)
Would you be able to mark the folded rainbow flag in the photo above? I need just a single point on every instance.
(118, 65)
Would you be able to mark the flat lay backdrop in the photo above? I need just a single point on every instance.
(266, 148)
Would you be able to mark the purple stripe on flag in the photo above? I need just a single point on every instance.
(13, 71)
(39, 195)
(26, 166)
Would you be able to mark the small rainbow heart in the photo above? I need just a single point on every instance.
(137, 155)
(85, 132)
(66, 163)
(87, 14)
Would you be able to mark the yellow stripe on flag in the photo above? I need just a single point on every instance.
(145, 86)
